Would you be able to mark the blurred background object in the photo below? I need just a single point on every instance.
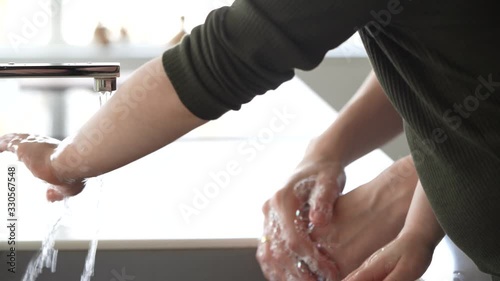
(102, 35)
(178, 38)
(124, 37)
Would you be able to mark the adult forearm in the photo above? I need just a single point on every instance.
(143, 115)
(366, 122)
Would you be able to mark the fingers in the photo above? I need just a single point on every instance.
(35, 152)
(287, 252)
(295, 233)
(54, 195)
(10, 142)
(58, 193)
(279, 265)
(402, 271)
(404, 259)
(398, 271)
(264, 255)
(377, 268)
(319, 184)
(266, 208)
(276, 261)
(306, 252)
(303, 188)
(323, 196)
(293, 253)
(389, 264)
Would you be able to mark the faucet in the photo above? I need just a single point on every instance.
(104, 74)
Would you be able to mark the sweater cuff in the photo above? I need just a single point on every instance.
(191, 93)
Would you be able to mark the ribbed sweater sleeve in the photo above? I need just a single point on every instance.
(253, 46)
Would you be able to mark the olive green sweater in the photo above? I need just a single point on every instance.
(438, 61)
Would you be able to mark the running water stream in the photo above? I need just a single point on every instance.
(47, 255)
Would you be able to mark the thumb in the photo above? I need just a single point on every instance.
(323, 197)
(58, 193)
(10, 142)
(376, 268)
(53, 194)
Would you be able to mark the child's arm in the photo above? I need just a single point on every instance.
(143, 115)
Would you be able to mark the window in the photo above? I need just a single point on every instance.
(35, 23)
(30, 23)
(27, 22)
(147, 22)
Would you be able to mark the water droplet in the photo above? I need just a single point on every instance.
(302, 266)
(104, 97)
(310, 227)
(303, 213)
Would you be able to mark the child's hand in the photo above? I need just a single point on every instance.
(404, 259)
(35, 152)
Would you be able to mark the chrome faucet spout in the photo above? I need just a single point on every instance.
(104, 84)
(104, 74)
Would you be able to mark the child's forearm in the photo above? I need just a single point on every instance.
(143, 115)
(421, 221)
(368, 121)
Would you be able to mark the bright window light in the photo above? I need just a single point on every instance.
(147, 22)
(26, 23)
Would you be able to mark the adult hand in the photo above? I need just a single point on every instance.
(404, 259)
(369, 217)
(365, 123)
(318, 180)
(409, 255)
(36, 152)
(379, 206)
(287, 252)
